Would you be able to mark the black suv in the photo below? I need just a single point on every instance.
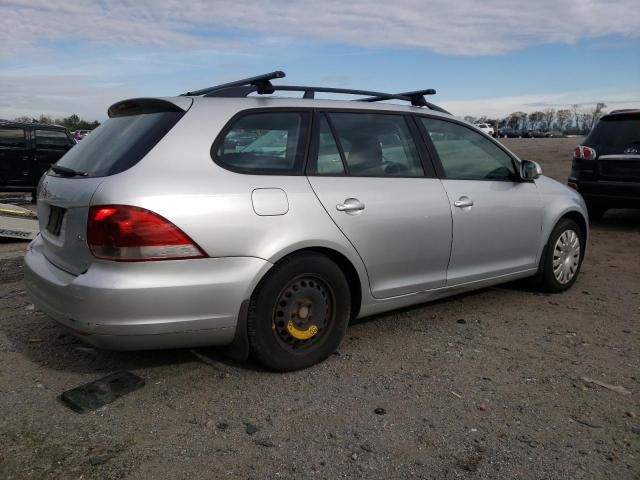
(27, 150)
(606, 167)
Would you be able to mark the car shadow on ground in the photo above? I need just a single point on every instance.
(618, 220)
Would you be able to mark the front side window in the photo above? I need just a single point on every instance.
(264, 142)
(12, 137)
(467, 155)
(52, 139)
(372, 145)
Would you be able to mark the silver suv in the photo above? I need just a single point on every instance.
(229, 216)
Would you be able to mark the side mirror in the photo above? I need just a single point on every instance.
(530, 170)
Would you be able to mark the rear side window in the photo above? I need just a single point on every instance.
(12, 137)
(371, 144)
(467, 155)
(52, 139)
(264, 143)
(123, 140)
(614, 134)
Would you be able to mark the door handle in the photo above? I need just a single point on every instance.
(463, 202)
(350, 205)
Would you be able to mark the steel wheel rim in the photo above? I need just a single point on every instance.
(305, 303)
(566, 256)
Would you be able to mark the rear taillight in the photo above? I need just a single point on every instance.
(572, 185)
(131, 234)
(584, 153)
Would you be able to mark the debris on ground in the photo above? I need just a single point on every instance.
(17, 222)
(608, 386)
(250, 428)
(98, 393)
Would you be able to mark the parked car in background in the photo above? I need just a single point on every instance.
(27, 150)
(606, 166)
(553, 134)
(486, 128)
(80, 134)
(337, 210)
(508, 132)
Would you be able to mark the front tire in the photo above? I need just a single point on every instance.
(562, 257)
(299, 313)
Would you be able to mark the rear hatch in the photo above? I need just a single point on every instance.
(616, 140)
(134, 127)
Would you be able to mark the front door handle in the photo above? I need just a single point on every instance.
(463, 202)
(350, 205)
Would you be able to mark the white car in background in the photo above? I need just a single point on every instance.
(486, 128)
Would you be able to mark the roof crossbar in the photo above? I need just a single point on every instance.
(416, 96)
(261, 82)
(262, 85)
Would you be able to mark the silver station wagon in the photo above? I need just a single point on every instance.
(233, 216)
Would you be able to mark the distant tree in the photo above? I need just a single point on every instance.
(563, 119)
(598, 111)
(575, 109)
(515, 120)
(45, 119)
(536, 119)
(547, 118)
(470, 119)
(23, 119)
(585, 122)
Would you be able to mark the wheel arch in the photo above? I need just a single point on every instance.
(239, 348)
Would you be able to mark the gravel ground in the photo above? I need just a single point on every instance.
(485, 385)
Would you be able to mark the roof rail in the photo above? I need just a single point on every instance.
(262, 85)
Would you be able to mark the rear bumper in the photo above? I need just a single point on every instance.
(145, 305)
(610, 193)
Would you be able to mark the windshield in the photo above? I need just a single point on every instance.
(119, 143)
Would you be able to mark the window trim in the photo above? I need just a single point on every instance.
(428, 170)
(24, 145)
(302, 148)
(515, 162)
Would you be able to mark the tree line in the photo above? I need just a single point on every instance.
(72, 122)
(572, 121)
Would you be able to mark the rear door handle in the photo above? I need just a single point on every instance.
(350, 205)
(463, 202)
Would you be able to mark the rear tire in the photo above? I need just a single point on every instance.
(299, 313)
(562, 257)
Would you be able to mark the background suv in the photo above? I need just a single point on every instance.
(177, 234)
(606, 167)
(27, 150)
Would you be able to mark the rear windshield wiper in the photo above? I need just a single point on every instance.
(68, 171)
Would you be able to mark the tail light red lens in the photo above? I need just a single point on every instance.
(584, 153)
(572, 185)
(131, 234)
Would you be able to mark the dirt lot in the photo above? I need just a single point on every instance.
(485, 385)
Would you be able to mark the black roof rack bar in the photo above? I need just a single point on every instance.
(416, 96)
(309, 92)
(261, 82)
(262, 85)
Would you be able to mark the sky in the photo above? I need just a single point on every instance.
(484, 58)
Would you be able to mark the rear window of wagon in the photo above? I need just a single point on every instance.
(132, 130)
